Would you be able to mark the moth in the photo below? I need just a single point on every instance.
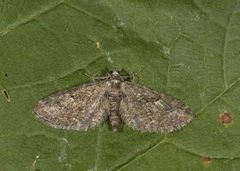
(115, 100)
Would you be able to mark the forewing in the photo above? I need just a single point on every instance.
(150, 111)
(78, 108)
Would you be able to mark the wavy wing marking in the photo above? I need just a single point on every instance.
(149, 111)
(78, 108)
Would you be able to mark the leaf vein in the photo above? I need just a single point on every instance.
(225, 44)
(2, 9)
(78, 9)
(29, 18)
(140, 153)
(199, 155)
(218, 96)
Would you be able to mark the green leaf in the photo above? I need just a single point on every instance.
(188, 49)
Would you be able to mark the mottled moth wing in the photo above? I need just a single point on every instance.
(78, 108)
(150, 111)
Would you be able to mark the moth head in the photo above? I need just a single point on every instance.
(115, 74)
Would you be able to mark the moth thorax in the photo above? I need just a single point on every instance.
(115, 83)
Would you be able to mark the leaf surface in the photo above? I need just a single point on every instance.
(188, 49)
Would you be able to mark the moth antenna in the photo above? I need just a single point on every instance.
(136, 73)
(96, 76)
